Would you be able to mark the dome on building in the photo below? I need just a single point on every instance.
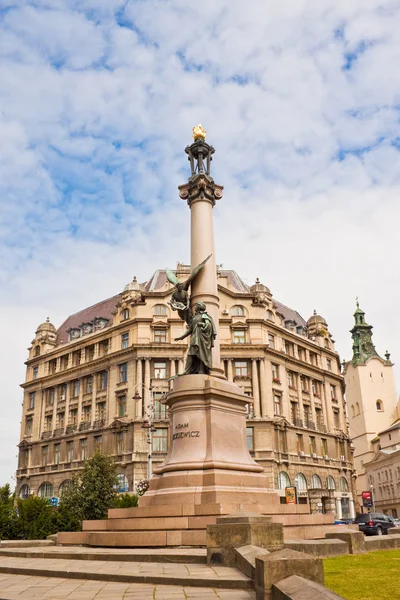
(133, 286)
(46, 327)
(259, 287)
(316, 320)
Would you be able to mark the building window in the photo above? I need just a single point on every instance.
(283, 480)
(160, 336)
(32, 399)
(45, 455)
(316, 483)
(300, 353)
(307, 414)
(379, 405)
(330, 483)
(240, 368)
(237, 311)
(37, 351)
(271, 341)
(63, 392)
(239, 336)
(123, 373)
(76, 387)
(45, 490)
(300, 442)
(98, 443)
(73, 416)
(24, 492)
(313, 358)
(125, 314)
(250, 438)
(312, 444)
(289, 348)
(160, 440)
(324, 447)
(103, 380)
(343, 485)
(122, 484)
(282, 446)
(277, 405)
(84, 449)
(57, 451)
(125, 341)
(70, 451)
(292, 380)
(160, 370)
(89, 384)
(28, 426)
(305, 383)
(60, 420)
(119, 442)
(269, 315)
(275, 373)
(121, 401)
(300, 482)
(35, 372)
(64, 486)
(160, 410)
(316, 388)
(329, 364)
(336, 419)
(333, 392)
(160, 310)
(318, 417)
(48, 423)
(101, 411)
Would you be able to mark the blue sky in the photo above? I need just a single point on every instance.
(97, 101)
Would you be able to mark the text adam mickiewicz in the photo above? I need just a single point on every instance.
(184, 433)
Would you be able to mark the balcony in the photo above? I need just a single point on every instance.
(54, 467)
(297, 422)
(59, 431)
(99, 423)
(309, 425)
(46, 435)
(322, 427)
(71, 428)
(84, 426)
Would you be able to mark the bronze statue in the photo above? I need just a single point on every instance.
(180, 299)
(203, 332)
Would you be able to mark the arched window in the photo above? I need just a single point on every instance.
(46, 490)
(353, 412)
(316, 483)
(123, 484)
(300, 482)
(37, 350)
(357, 409)
(283, 480)
(160, 310)
(64, 486)
(330, 483)
(379, 405)
(237, 311)
(343, 485)
(125, 314)
(24, 491)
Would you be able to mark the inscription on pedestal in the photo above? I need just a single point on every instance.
(184, 434)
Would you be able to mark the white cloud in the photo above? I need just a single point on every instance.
(97, 101)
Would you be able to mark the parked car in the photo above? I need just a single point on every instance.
(344, 522)
(373, 523)
(396, 522)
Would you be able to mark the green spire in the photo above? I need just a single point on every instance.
(363, 348)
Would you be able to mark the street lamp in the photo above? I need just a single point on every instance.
(148, 424)
(371, 487)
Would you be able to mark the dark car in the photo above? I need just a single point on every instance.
(373, 523)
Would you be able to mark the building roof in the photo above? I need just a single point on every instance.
(157, 282)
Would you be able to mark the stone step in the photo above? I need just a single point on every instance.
(121, 571)
(149, 523)
(134, 539)
(164, 555)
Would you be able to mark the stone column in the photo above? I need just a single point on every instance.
(147, 380)
(172, 371)
(230, 369)
(95, 417)
(263, 389)
(352, 511)
(338, 508)
(139, 378)
(256, 389)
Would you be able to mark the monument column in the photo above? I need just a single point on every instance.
(201, 193)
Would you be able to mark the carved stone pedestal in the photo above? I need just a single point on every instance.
(208, 461)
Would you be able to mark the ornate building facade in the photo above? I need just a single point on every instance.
(371, 396)
(97, 382)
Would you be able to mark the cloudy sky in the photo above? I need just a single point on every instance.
(97, 100)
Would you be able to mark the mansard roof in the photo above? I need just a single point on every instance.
(156, 283)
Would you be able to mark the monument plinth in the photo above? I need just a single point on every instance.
(208, 461)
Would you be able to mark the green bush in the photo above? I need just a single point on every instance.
(125, 501)
(35, 519)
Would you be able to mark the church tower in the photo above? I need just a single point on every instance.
(370, 394)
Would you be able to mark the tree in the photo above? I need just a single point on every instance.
(7, 513)
(94, 489)
(35, 519)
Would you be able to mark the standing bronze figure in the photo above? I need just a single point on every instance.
(203, 333)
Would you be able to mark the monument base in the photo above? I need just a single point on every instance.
(208, 461)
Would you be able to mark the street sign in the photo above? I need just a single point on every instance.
(367, 499)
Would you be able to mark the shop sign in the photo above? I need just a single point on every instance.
(290, 493)
(367, 499)
(302, 494)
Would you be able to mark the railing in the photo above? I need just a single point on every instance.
(84, 426)
(58, 432)
(71, 428)
(46, 435)
(99, 423)
(297, 422)
(309, 425)
(322, 427)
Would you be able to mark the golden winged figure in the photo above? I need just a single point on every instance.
(180, 299)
